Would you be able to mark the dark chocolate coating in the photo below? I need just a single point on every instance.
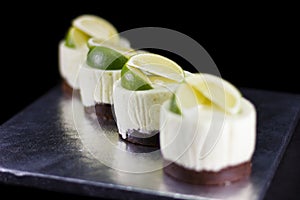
(66, 88)
(105, 114)
(222, 177)
(136, 137)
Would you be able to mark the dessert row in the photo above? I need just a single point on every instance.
(204, 127)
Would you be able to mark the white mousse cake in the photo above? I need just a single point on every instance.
(74, 48)
(147, 81)
(96, 85)
(96, 78)
(207, 132)
(70, 60)
(137, 112)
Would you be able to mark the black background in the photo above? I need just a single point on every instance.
(252, 45)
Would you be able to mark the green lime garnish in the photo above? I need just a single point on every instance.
(105, 58)
(134, 79)
(76, 38)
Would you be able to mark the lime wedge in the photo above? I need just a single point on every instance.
(94, 42)
(157, 65)
(96, 27)
(147, 69)
(220, 92)
(105, 58)
(76, 38)
(134, 79)
(187, 97)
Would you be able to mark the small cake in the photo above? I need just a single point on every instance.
(207, 132)
(70, 58)
(74, 48)
(147, 80)
(96, 78)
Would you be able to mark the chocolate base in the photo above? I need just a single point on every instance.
(222, 177)
(67, 89)
(105, 114)
(136, 137)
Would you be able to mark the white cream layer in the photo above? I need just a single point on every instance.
(96, 85)
(139, 110)
(69, 63)
(205, 138)
(70, 60)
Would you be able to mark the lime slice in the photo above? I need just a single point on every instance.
(134, 79)
(94, 42)
(76, 38)
(157, 65)
(105, 58)
(96, 27)
(187, 97)
(123, 42)
(160, 80)
(220, 92)
(148, 68)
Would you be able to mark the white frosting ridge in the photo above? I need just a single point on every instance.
(96, 85)
(70, 60)
(205, 138)
(139, 110)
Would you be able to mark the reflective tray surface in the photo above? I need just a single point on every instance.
(49, 146)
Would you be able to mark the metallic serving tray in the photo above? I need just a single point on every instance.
(49, 146)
